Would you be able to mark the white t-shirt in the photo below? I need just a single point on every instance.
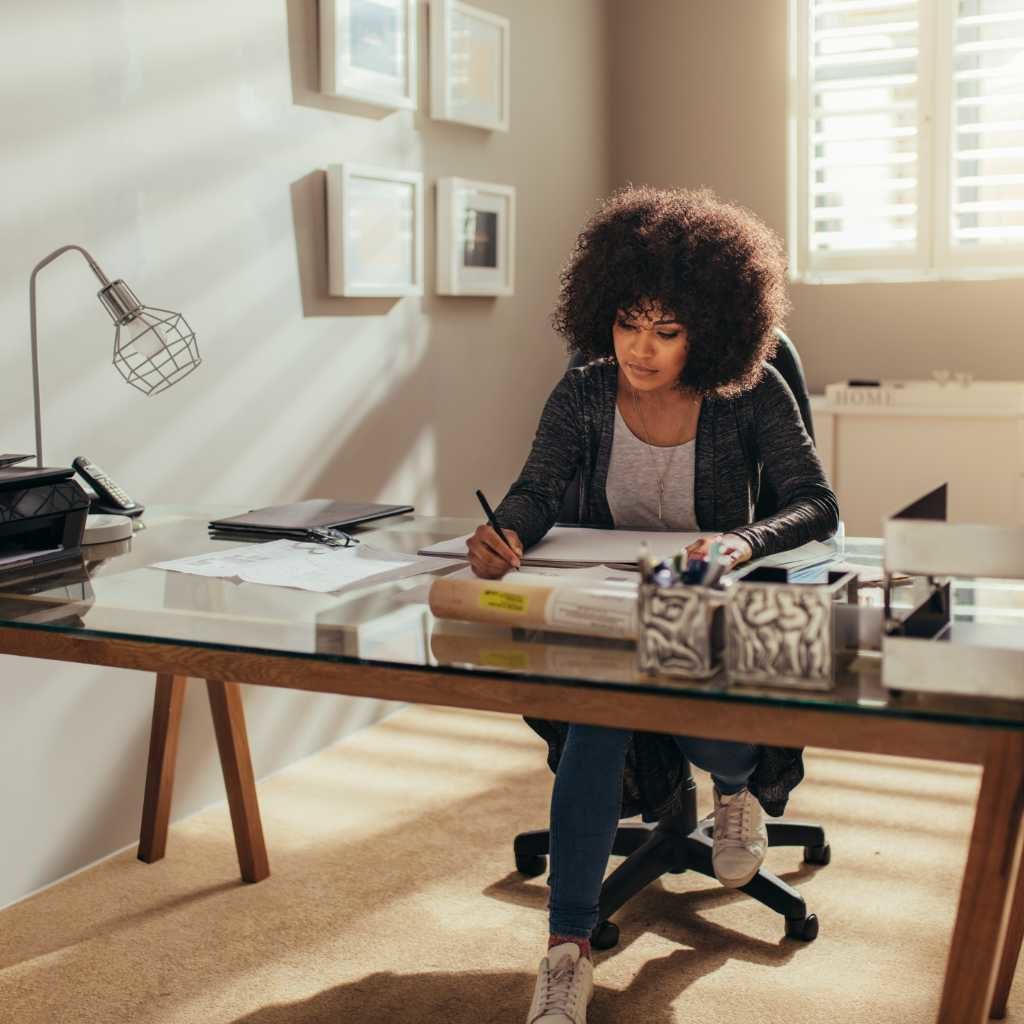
(632, 484)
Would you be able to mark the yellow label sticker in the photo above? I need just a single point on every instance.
(503, 601)
(505, 659)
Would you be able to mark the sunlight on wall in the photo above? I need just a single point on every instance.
(416, 475)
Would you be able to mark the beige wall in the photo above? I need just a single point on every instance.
(184, 144)
(699, 98)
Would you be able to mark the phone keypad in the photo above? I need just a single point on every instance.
(104, 481)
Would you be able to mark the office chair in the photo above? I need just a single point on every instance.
(680, 841)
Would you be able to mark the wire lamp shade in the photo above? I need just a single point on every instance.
(153, 348)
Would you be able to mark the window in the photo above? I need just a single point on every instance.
(906, 138)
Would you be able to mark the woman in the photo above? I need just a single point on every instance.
(673, 297)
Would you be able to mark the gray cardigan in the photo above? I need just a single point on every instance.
(759, 432)
(738, 439)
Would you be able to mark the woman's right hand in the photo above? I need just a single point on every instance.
(489, 556)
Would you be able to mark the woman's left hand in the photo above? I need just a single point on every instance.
(734, 548)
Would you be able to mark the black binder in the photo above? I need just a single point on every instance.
(299, 518)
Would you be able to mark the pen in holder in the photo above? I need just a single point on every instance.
(681, 629)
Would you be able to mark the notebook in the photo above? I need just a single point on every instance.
(295, 519)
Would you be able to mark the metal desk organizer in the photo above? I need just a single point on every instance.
(681, 630)
(781, 633)
(966, 651)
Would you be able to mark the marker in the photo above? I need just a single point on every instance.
(645, 562)
(494, 522)
(717, 564)
(694, 570)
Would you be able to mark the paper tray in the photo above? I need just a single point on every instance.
(967, 658)
(936, 548)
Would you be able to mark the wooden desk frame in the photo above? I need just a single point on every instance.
(989, 925)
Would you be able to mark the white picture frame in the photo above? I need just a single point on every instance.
(374, 231)
(368, 51)
(476, 237)
(470, 80)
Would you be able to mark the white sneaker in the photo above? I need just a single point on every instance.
(565, 984)
(740, 838)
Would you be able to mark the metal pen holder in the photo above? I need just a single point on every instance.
(682, 632)
(795, 635)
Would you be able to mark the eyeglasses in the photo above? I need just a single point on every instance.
(332, 536)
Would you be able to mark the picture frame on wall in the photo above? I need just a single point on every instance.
(475, 237)
(368, 51)
(470, 51)
(374, 231)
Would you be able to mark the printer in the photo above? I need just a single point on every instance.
(42, 518)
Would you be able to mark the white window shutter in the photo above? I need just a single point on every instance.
(984, 206)
(865, 142)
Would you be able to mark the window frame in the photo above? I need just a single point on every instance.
(934, 257)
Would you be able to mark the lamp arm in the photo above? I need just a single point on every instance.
(32, 326)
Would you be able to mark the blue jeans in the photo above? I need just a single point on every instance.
(585, 807)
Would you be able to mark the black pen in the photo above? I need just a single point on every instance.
(494, 522)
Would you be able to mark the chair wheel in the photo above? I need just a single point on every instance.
(817, 854)
(531, 864)
(605, 935)
(803, 928)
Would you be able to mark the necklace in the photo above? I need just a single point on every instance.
(660, 477)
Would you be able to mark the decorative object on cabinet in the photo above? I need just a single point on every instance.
(368, 51)
(475, 237)
(469, 65)
(374, 231)
(153, 348)
(884, 442)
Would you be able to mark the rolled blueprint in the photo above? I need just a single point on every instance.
(607, 609)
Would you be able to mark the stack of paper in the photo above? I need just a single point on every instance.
(307, 566)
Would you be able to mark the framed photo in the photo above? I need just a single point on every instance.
(368, 51)
(469, 65)
(475, 237)
(374, 231)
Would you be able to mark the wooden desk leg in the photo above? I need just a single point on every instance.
(1011, 949)
(992, 863)
(163, 753)
(235, 762)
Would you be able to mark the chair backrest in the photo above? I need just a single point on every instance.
(787, 361)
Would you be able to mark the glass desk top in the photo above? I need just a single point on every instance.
(115, 593)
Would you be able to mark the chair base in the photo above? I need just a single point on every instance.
(679, 843)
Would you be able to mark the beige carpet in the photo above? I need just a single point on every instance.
(394, 898)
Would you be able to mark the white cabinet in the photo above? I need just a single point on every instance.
(885, 446)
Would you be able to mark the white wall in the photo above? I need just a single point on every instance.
(699, 98)
(183, 143)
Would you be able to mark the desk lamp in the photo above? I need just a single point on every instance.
(153, 348)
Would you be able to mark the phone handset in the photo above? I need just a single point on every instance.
(109, 497)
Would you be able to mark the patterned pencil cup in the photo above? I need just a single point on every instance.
(681, 630)
(786, 634)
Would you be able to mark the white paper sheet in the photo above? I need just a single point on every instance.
(804, 557)
(305, 565)
(584, 546)
(566, 546)
(584, 576)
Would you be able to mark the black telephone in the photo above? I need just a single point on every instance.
(110, 498)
